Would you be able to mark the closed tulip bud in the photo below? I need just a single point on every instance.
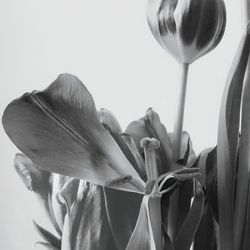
(188, 29)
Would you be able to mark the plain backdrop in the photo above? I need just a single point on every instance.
(108, 45)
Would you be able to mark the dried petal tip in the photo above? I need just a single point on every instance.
(150, 143)
(187, 29)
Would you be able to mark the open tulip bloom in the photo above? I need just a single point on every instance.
(142, 188)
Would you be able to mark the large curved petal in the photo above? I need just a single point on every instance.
(58, 129)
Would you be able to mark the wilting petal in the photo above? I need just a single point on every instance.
(106, 117)
(151, 126)
(122, 210)
(142, 237)
(86, 225)
(58, 129)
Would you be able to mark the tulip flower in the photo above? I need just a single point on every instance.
(187, 29)
(60, 131)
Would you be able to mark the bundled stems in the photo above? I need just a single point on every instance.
(180, 113)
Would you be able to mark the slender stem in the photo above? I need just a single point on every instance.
(245, 12)
(180, 113)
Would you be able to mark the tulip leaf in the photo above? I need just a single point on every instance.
(142, 237)
(122, 210)
(243, 175)
(59, 130)
(189, 227)
(228, 134)
(47, 236)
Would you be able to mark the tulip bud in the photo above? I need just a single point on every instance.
(188, 29)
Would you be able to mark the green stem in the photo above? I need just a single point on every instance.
(245, 12)
(180, 113)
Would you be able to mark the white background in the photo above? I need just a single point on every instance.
(108, 45)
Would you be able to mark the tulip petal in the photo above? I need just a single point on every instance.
(47, 236)
(122, 210)
(86, 225)
(58, 129)
(142, 237)
(151, 126)
(228, 133)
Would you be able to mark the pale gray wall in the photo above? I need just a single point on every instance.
(107, 43)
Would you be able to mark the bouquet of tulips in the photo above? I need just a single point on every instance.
(142, 188)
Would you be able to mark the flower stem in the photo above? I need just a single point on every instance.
(180, 113)
(245, 12)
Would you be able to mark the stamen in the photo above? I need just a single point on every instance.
(150, 145)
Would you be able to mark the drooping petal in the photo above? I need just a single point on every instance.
(86, 225)
(58, 129)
